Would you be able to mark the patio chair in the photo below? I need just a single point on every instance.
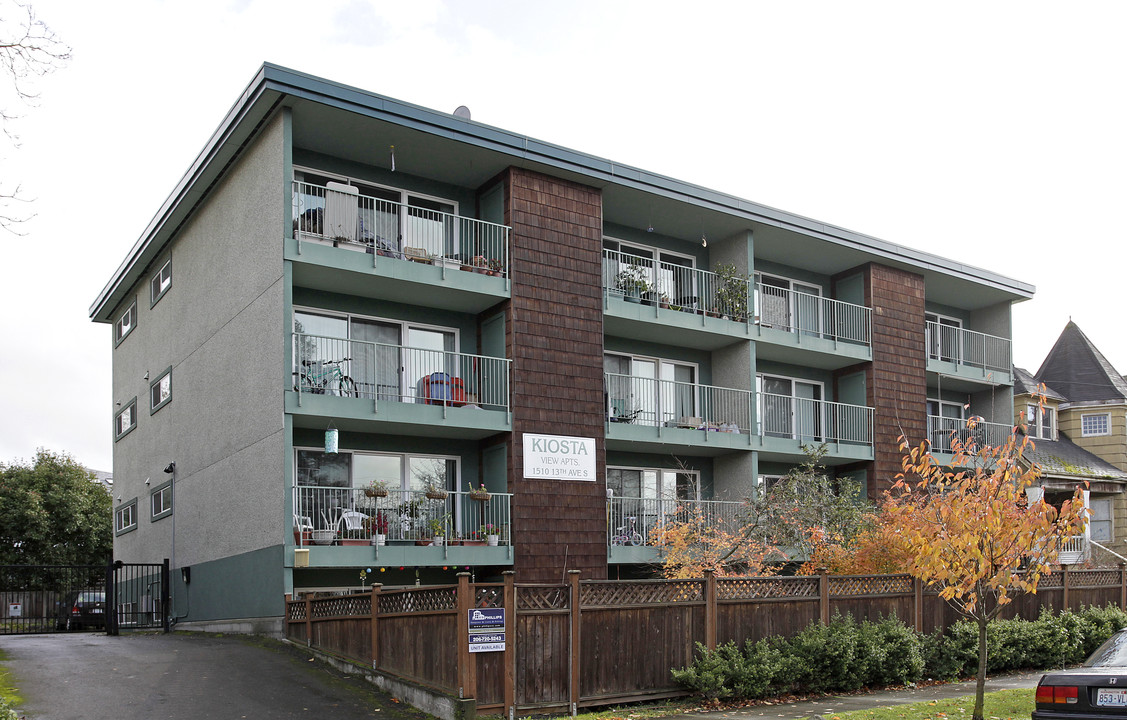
(351, 522)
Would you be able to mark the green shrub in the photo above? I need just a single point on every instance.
(891, 653)
(824, 657)
(710, 675)
(953, 654)
(7, 712)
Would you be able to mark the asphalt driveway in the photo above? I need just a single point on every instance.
(184, 677)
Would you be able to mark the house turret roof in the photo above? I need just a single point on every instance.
(1077, 369)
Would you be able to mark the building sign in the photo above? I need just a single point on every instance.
(487, 629)
(15, 610)
(557, 457)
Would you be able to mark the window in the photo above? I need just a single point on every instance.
(945, 420)
(943, 337)
(125, 323)
(125, 517)
(160, 501)
(1041, 422)
(669, 274)
(1100, 519)
(125, 420)
(160, 391)
(790, 408)
(160, 283)
(652, 391)
(788, 304)
(653, 483)
(1092, 425)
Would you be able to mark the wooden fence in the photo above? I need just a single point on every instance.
(596, 642)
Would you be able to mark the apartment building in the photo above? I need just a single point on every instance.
(364, 341)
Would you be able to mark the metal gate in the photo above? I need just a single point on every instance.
(65, 598)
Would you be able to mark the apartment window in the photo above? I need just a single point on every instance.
(125, 323)
(653, 483)
(1097, 424)
(670, 275)
(652, 391)
(1041, 422)
(160, 283)
(160, 501)
(788, 304)
(125, 420)
(945, 421)
(789, 407)
(125, 517)
(1099, 522)
(944, 336)
(160, 391)
(357, 469)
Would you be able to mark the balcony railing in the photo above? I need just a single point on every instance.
(395, 373)
(814, 421)
(967, 347)
(667, 403)
(941, 431)
(349, 516)
(398, 230)
(812, 315)
(640, 520)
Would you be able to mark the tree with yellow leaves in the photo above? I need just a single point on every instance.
(972, 532)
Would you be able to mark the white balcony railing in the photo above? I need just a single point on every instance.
(643, 280)
(942, 430)
(967, 347)
(648, 516)
(347, 219)
(666, 403)
(395, 373)
(335, 515)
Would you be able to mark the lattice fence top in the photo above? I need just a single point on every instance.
(543, 597)
(419, 600)
(295, 611)
(1095, 578)
(847, 585)
(342, 606)
(598, 593)
(492, 596)
(767, 587)
(1053, 579)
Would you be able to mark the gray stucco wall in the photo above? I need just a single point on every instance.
(219, 327)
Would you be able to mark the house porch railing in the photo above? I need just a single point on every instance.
(967, 347)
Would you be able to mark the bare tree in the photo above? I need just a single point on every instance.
(28, 50)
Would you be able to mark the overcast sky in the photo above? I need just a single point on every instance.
(990, 133)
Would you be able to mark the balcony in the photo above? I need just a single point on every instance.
(975, 358)
(942, 431)
(338, 232)
(648, 415)
(663, 302)
(635, 524)
(414, 391)
(340, 526)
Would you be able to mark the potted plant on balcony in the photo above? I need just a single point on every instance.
(377, 528)
(492, 533)
(324, 537)
(480, 493)
(496, 267)
(634, 282)
(376, 489)
(731, 292)
(480, 264)
(435, 492)
(437, 526)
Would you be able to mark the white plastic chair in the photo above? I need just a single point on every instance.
(350, 521)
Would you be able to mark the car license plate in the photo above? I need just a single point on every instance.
(1111, 698)
(96, 611)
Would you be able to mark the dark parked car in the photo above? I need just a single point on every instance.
(82, 610)
(1096, 690)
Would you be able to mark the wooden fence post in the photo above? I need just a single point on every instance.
(376, 589)
(573, 675)
(824, 593)
(308, 621)
(510, 658)
(1064, 602)
(467, 675)
(918, 590)
(710, 609)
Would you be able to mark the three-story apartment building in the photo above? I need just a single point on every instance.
(359, 325)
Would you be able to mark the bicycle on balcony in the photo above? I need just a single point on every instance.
(324, 377)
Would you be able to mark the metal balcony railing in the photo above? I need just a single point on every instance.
(395, 373)
(811, 315)
(667, 403)
(338, 515)
(398, 230)
(814, 421)
(639, 521)
(967, 347)
(942, 430)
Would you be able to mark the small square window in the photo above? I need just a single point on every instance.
(125, 517)
(161, 501)
(160, 283)
(125, 420)
(1092, 425)
(160, 391)
(125, 323)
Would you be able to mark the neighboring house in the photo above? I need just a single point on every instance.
(447, 304)
(1080, 432)
(104, 479)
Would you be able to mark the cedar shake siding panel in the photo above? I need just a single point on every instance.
(555, 341)
(897, 381)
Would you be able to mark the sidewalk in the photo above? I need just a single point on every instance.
(827, 706)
